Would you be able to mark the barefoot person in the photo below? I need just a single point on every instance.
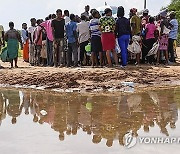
(38, 42)
(107, 27)
(12, 38)
(58, 25)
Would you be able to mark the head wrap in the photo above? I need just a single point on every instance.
(133, 10)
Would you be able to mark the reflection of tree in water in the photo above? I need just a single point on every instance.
(103, 117)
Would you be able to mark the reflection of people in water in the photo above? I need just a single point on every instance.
(85, 117)
(26, 101)
(136, 112)
(2, 108)
(109, 118)
(109, 121)
(14, 107)
(124, 119)
(150, 109)
(167, 110)
(60, 123)
(73, 110)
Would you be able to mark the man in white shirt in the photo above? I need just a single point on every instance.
(83, 36)
(86, 13)
(66, 16)
(31, 42)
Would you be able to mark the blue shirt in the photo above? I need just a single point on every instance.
(70, 29)
(174, 31)
(24, 35)
(94, 27)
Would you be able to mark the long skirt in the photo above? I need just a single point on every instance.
(26, 51)
(12, 48)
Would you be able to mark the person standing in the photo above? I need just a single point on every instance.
(107, 26)
(38, 42)
(135, 23)
(72, 38)
(172, 35)
(66, 16)
(2, 41)
(145, 18)
(86, 13)
(31, 42)
(96, 44)
(49, 41)
(83, 36)
(67, 19)
(58, 25)
(12, 38)
(150, 38)
(123, 32)
(25, 41)
(44, 47)
(163, 41)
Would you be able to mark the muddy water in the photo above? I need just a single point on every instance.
(34, 122)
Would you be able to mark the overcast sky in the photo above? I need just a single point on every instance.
(20, 11)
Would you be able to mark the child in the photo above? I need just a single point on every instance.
(163, 39)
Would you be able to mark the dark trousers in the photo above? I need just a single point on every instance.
(82, 50)
(38, 54)
(171, 49)
(148, 46)
(49, 52)
(144, 51)
(72, 49)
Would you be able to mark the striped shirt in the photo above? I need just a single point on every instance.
(94, 27)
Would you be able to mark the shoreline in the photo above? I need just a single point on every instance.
(142, 77)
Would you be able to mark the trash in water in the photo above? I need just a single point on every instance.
(127, 87)
(89, 106)
(43, 112)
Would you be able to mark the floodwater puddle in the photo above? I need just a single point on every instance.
(42, 122)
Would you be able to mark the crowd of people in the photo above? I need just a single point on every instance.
(106, 119)
(67, 40)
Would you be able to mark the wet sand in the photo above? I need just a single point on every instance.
(87, 78)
